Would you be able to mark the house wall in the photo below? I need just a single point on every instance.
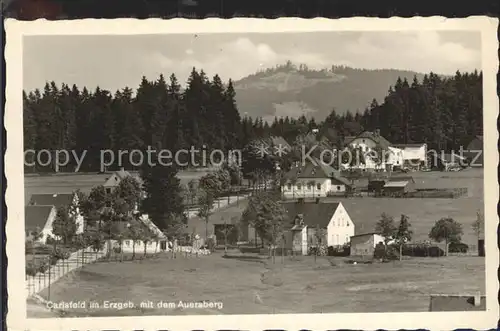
(415, 153)
(304, 241)
(394, 157)
(365, 245)
(340, 228)
(151, 247)
(365, 143)
(300, 188)
(47, 229)
(80, 221)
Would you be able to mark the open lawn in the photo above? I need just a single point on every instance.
(253, 284)
(423, 213)
(69, 182)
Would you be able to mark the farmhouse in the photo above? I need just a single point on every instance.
(370, 141)
(58, 200)
(457, 303)
(39, 219)
(308, 216)
(414, 155)
(313, 181)
(156, 243)
(364, 244)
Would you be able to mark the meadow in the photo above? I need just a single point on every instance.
(68, 182)
(247, 284)
(365, 212)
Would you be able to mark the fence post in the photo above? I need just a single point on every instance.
(50, 271)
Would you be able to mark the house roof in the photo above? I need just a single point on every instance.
(318, 170)
(455, 303)
(365, 234)
(56, 199)
(313, 213)
(35, 217)
(116, 177)
(378, 139)
(396, 184)
(408, 145)
(401, 178)
(151, 226)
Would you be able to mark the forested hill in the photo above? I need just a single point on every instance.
(291, 90)
(445, 113)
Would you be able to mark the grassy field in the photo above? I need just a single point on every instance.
(252, 284)
(364, 212)
(67, 183)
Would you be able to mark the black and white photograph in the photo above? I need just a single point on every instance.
(243, 172)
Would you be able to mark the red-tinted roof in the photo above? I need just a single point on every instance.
(35, 217)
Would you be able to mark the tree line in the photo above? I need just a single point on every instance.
(444, 112)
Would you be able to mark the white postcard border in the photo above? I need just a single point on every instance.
(16, 317)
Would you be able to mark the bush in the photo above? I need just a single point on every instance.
(339, 251)
(382, 252)
(117, 249)
(42, 267)
(458, 247)
(31, 268)
(60, 253)
(422, 250)
(321, 250)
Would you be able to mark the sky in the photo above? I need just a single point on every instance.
(113, 62)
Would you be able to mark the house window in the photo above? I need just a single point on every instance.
(289, 186)
(309, 186)
(127, 243)
(338, 187)
(108, 190)
(318, 186)
(299, 186)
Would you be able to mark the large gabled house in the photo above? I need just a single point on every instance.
(313, 180)
(306, 217)
(414, 155)
(58, 200)
(369, 142)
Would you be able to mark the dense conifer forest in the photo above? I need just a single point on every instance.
(445, 113)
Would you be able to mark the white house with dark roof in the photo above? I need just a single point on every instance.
(58, 200)
(369, 142)
(414, 155)
(114, 180)
(306, 217)
(313, 180)
(39, 219)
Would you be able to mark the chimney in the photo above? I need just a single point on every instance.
(477, 299)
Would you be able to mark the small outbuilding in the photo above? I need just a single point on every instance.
(364, 244)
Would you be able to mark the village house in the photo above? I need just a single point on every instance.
(314, 180)
(364, 244)
(414, 155)
(58, 200)
(306, 217)
(38, 221)
(157, 243)
(370, 142)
